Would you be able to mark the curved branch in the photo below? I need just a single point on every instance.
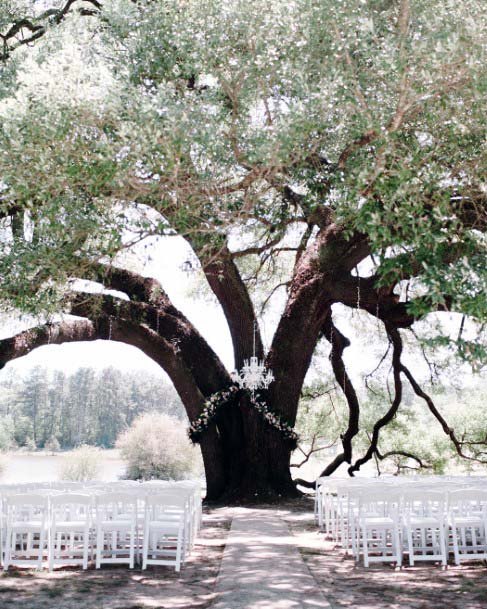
(163, 352)
(38, 26)
(338, 344)
(396, 340)
(169, 323)
(403, 453)
(55, 334)
(458, 444)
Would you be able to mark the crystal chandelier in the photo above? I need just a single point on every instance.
(254, 374)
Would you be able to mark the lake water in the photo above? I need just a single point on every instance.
(33, 467)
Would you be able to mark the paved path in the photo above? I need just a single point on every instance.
(262, 568)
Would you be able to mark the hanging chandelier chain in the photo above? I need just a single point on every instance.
(255, 332)
(254, 374)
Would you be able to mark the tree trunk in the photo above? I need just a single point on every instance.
(255, 457)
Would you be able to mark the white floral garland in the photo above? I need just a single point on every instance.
(222, 398)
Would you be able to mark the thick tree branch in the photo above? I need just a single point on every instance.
(339, 343)
(228, 286)
(396, 340)
(55, 334)
(207, 369)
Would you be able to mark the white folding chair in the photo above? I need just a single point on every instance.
(70, 529)
(424, 525)
(193, 489)
(379, 527)
(26, 539)
(116, 528)
(467, 511)
(166, 529)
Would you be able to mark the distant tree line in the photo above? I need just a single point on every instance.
(45, 409)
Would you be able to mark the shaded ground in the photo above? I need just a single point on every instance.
(345, 584)
(120, 588)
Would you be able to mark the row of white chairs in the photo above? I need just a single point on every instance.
(59, 524)
(427, 518)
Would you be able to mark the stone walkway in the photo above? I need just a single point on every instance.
(262, 567)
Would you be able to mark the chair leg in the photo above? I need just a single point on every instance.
(444, 556)
(365, 545)
(397, 541)
(86, 543)
(114, 543)
(145, 548)
(132, 548)
(410, 547)
(178, 549)
(8, 550)
(51, 550)
(99, 547)
(456, 551)
(42, 539)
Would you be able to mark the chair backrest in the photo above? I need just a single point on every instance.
(71, 506)
(467, 501)
(168, 504)
(27, 508)
(67, 485)
(422, 502)
(115, 506)
(379, 502)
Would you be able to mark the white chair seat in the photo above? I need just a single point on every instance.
(424, 521)
(378, 521)
(26, 525)
(71, 525)
(116, 524)
(164, 524)
(469, 521)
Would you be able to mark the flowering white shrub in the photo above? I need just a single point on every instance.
(82, 464)
(157, 446)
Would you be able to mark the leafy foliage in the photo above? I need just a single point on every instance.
(81, 464)
(207, 128)
(86, 407)
(403, 444)
(157, 446)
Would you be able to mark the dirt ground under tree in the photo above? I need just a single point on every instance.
(344, 583)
